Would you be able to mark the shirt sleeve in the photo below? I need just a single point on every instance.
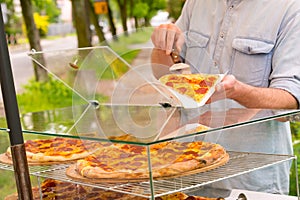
(286, 59)
(183, 20)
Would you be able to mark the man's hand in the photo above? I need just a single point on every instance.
(253, 97)
(167, 37)
(225, 89)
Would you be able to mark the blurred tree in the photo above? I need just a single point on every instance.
(112, 26)
(13, 24)
(123, 13)
(34, 39)
(42, 23)
(47, 7)
(81, 23)
(95, 22)
(139, 11)
(154, 7)
(174, 8)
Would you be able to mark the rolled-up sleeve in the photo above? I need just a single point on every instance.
(286, 59)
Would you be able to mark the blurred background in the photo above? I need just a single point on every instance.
(47, 25)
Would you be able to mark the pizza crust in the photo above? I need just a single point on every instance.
(166, 165)
(135, 177)
(40, 157)
(55, 150)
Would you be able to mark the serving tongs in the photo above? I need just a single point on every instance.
(178, 67)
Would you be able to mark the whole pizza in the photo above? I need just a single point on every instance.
(130, 162)
(57, 149)
(58, 190)
(195, 86)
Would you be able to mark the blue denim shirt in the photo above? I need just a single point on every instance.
(258, 41)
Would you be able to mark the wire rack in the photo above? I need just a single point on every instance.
(239, 163)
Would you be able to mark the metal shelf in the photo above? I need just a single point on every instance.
(239, 163)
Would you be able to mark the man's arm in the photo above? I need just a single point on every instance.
(254, 97)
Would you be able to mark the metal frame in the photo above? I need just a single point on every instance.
(13, 120)
(240, 163)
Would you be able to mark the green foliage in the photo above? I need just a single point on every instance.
(140, 10)
(5, 188)
(14, 22)
(154, 7)
(41, 23)
(44, 96)
(7, 185)
(47, 7)
(293, 184)
(174, 8)
(123, 45)
(295, 130)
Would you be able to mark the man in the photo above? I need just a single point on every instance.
(257, 44)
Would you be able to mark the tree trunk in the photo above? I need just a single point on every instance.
(34, 39)
(123, 11)
(147, 22)
(136, 23)
(88, 19)
(80, 21)
(112, 26)
(98, 29)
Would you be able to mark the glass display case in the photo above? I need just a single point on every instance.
(113, 98)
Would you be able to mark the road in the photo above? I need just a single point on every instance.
(22, 65)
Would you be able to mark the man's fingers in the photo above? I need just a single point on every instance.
(167, 37)
(170, 41)
(162, 35)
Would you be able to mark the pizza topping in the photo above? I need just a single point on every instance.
(57, 149)
(195, 86)
(125, 161)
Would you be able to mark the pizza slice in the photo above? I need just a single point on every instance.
(195, 86)
(57, 149)
(126, 162)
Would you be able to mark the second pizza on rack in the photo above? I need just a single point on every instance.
(127, 162)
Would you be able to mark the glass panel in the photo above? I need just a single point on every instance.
(144, 124)
(114, 99)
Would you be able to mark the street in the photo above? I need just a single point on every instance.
(22, 65)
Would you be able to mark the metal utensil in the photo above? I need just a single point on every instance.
(179, 66)
(242, 196)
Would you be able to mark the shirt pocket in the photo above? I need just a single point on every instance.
(251, 61)
(196, 55)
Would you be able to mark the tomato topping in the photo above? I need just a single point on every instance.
(201, 90)
(209, 84)
(213, 79)
(170, 84)
(203, 83)
(182, 90)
